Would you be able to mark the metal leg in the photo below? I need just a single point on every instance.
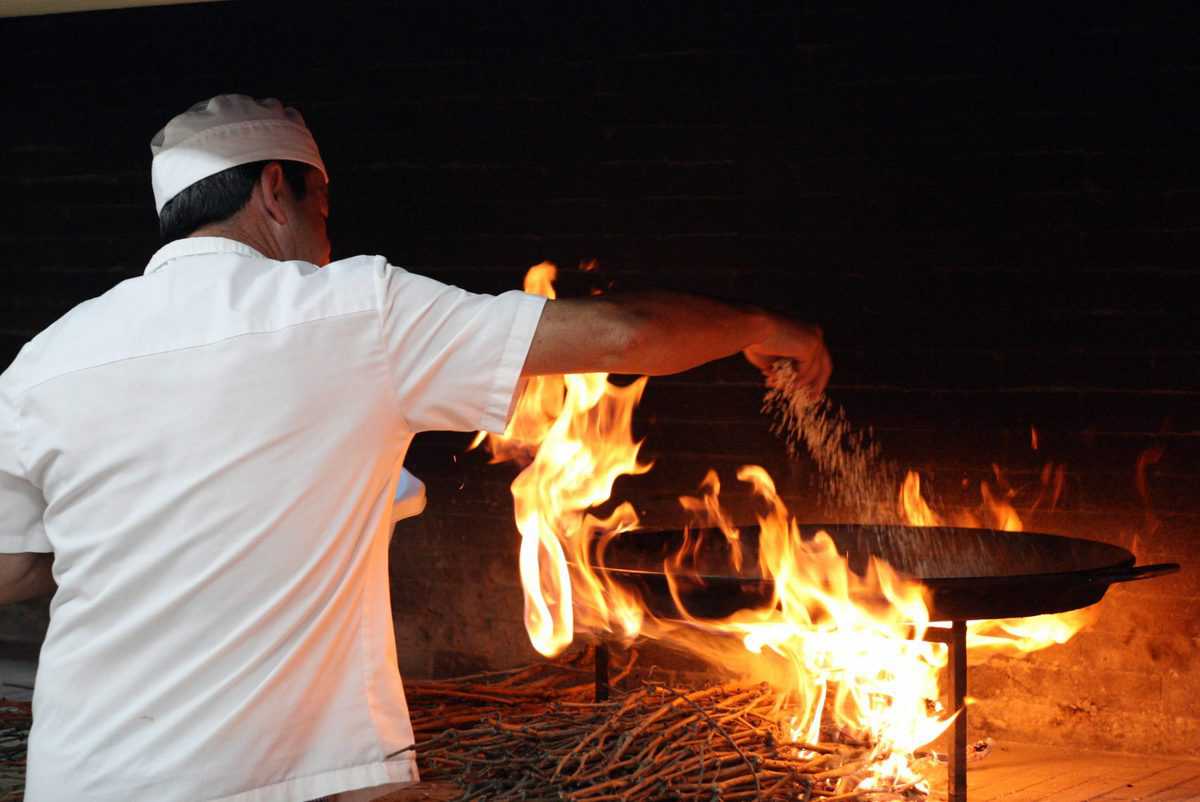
(958, 692)
(602, 672)
(955, 639)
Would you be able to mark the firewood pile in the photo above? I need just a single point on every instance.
(536, 734)
(15, 721)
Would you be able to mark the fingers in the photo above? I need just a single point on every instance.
(804, 346)
(813, 373)
(759, 360)
(818, 367)
(812, 370)
(824, 369)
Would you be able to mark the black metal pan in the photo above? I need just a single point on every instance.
(970, 573)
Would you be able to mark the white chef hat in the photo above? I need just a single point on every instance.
(223, 132)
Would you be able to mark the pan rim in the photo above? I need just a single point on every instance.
(1120, 556)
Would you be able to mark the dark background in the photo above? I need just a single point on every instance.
(994, 214)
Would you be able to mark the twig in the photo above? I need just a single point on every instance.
(718, 728)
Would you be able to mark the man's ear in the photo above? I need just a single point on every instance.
(271, 189)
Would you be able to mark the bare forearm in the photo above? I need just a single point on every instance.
(646, 333)
(25, 576)
(675, 332)
(659, 333)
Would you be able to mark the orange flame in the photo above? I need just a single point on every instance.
(997, 511)
(541, 399)
(839, 646)
(1011, 636)
(1014, 636)
(575, 434)
(551, 498)
(913, 509)
(1000, 510)
(831, 626)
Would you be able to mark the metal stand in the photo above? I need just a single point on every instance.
(602, 672)
(955, 639)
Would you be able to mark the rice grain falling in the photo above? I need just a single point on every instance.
(852, 477)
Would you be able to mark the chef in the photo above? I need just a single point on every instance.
(201, 465)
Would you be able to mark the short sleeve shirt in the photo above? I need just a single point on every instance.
(210, 451)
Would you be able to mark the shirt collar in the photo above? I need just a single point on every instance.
(197, 246)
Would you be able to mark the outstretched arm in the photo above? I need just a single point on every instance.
(660, 333)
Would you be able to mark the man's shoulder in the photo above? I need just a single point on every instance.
(363, 267)
(48, 352)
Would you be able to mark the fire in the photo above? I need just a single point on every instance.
(996, 512)
(913, 509)
(541, 399)
(1010, 636)
(552, 496)
(846, 650)
(1024, 635)
(575, 434)
(860, 634)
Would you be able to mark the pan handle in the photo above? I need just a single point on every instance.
(1134, 572)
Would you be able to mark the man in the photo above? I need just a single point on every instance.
(208, 452)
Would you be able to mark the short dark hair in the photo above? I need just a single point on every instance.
(221, 196)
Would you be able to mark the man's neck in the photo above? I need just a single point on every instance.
(243, 234)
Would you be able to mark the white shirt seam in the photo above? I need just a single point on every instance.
(303, 777)
(22, 463)
(195, 347)
(387, 362)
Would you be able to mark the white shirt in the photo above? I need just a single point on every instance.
(210, 452)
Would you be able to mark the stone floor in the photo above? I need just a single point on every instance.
(1026, 773)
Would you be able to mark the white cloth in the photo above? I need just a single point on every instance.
(410, 497)
(211, 452)
(223, 132)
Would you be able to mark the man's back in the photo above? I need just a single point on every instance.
(216, 444)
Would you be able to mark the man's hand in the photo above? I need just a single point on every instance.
(804, 345)
(25, 576)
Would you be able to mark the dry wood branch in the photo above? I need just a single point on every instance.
(715, 725)
(534, 733)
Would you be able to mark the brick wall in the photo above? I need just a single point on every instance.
(996, 217)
